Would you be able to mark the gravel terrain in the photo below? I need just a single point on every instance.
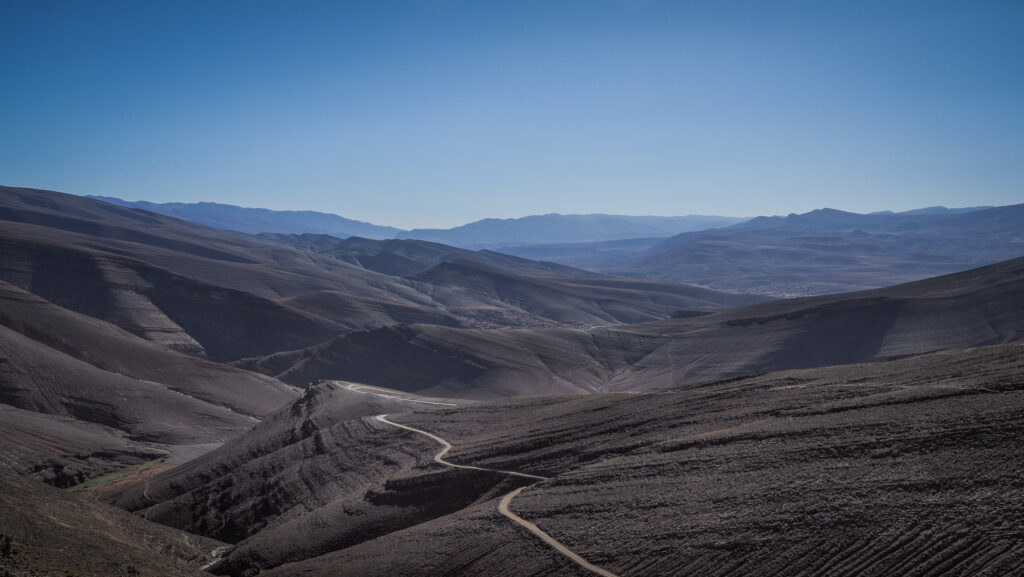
(54, 533)
(906, 466)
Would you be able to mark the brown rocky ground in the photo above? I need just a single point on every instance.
(902, 467)
(53, 533)
(906, 466)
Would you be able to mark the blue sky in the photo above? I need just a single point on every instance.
(434, 113)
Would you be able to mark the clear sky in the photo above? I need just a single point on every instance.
(434, 113)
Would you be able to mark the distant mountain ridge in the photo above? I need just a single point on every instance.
(489, 233)
(818, 252)
(936, 210)
(830, 220)
(496, 233)
(257, 220)
(829, 251)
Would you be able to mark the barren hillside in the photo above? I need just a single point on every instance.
(978, 307)
(812, 471)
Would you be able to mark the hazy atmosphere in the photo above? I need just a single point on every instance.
(436, 113)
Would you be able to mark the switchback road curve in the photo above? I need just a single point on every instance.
(503, 505)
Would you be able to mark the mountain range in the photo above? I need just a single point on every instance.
(114, 321)
(495, 233)
(289, 403)
(819, 252)
(227, 295)
(257, 220)
(488, 233)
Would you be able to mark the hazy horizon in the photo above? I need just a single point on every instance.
(437, 113)
(747, 217)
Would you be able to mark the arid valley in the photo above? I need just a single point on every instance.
(512, 288)
(178, 399)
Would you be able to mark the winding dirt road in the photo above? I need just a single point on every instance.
(503, 505)
(357, 388)
(446, 446)
(557, 546)
(507, 499)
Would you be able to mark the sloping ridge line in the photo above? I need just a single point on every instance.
(507, 499)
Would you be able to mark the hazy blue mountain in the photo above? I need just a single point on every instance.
(257, 220)
(623, 255)
(940, 210)
(494, 233)
(827, 250)
(832, 220)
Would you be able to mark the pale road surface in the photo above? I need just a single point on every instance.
(357, 388)
(505, 501)
(446, 446)
(503, 505)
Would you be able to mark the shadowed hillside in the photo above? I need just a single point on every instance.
(114, 350)
(978, 307)
(228, 296)
(110, 318)
(81, 397)
(407, 257)
(828, 467)
(319, 453)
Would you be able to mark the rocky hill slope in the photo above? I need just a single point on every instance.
(973, 308)
(867, 469)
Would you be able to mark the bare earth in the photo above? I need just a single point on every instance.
(503, 505)
(866, 469)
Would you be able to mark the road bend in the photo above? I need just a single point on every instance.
(503, 505)
(556, 545)
(446, 446)
(368, 390)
